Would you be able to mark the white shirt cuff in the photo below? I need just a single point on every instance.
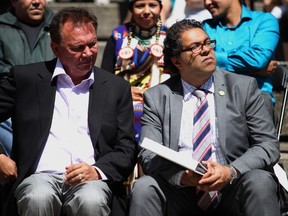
(103, 176)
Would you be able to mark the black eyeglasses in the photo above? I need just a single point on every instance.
(197, 47)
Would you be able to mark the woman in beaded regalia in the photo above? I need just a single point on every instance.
(135, 51)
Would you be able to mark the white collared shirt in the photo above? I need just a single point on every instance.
(69, 138)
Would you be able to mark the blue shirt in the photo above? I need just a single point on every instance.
(248, 46)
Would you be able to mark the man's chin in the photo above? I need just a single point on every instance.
(86, 67)
(37, 18)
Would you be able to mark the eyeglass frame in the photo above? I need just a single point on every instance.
(208, 43)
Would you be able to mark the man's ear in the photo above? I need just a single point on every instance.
(55, 48)
(176, 62)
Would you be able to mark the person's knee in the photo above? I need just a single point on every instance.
(37, 200)
(143, 187)
(147, 198)
(88, 203)
(260, 183)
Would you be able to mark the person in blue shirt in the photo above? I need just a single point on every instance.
(245, 42)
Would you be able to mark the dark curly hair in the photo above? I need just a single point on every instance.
(173, 42)
(76, 15)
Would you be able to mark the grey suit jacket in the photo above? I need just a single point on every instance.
(246, 132)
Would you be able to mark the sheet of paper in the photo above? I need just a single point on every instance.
(281, 175)
(180, 158)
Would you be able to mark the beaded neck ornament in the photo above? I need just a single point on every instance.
(144, 39)
(144, 35)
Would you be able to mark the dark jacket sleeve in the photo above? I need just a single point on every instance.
(115, 144)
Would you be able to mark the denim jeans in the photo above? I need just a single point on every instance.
(6, 135)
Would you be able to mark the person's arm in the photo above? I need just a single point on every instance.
(269, 70)
(152, 127)
(116, 143)
(253, 134)
(8, 168)
(7, 99)
(108, 60)
(263, 151)
(258, 54)
(5, 67)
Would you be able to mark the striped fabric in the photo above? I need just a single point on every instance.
(202, 144)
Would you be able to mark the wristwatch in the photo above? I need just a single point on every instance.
(233, 174)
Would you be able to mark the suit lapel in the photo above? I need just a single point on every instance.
(220, 107)
(46, 91)
(176, 105)
(97, 98)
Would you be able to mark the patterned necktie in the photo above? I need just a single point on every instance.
(202, 144)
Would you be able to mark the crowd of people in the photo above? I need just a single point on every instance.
(199, 82)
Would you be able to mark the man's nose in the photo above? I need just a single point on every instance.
(87, 51)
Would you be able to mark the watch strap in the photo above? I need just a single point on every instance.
(233, 174)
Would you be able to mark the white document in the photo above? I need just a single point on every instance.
(186, 160)
(180, 158)
(281, 175)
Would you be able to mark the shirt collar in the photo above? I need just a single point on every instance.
(60, 72)
(188, 88)
(246, 14)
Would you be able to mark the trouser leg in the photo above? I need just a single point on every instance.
(39, 195)
(152, 195)
(88, 198)
(146, 198)
(254, 194)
